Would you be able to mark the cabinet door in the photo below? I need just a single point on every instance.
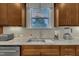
(78, 14)
(50, 50)
(67, 14)
(68, 50)
(1, 30)
(30, 50)
(3, 14)
(77, 50)
(14, 14)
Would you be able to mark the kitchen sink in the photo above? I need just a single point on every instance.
(35, 40)
(42, 40)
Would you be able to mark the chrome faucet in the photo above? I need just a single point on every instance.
(56, 37)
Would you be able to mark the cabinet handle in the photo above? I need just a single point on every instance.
(7, 51)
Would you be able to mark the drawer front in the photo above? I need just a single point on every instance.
(68, 50)
(30, 52)
(50, 50)
(30, 46)
(67, 54)
(50, 46)
(49, 54)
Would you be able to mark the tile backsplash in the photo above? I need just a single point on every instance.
(45, 33)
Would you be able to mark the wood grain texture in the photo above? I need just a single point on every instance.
(77, 50)
(68, 50)
(3, 14)
(68, 14)
(49, 50)
(30, 50)
(43, 50)
(14, 14)
(1, 30)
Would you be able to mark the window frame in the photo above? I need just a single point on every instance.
(51, 15)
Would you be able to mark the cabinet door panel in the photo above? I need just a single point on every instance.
(50, 50)
(77, 50)
(30, 50)
(31, 46)
(3, 14)
(67, 14)
(14, 14)
(78, 14)
(1, 30)
(68, 50)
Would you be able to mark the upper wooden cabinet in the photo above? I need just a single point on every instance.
(1, 30)
(66, 14)
(14, 14)
(3, 14)
(11, 14)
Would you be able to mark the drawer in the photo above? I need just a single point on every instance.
(67, 54)
(68, 50)
(50, 52)
(30, 46)
(50, 46)
(30, 52)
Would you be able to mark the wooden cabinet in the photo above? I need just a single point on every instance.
(68, 50)
(40, 50)
(30, 50)
(3, 14)
(12, 14)
(67, 14)
(1, 30)
(78, 13)
(50, 50)
(77, 50)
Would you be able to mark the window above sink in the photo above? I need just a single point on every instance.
(40, 16)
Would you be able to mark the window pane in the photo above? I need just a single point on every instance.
(40, 17)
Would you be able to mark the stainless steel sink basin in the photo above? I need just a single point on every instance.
(35, 40)
(38, 40)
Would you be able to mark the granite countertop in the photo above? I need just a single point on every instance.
(23, 41)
